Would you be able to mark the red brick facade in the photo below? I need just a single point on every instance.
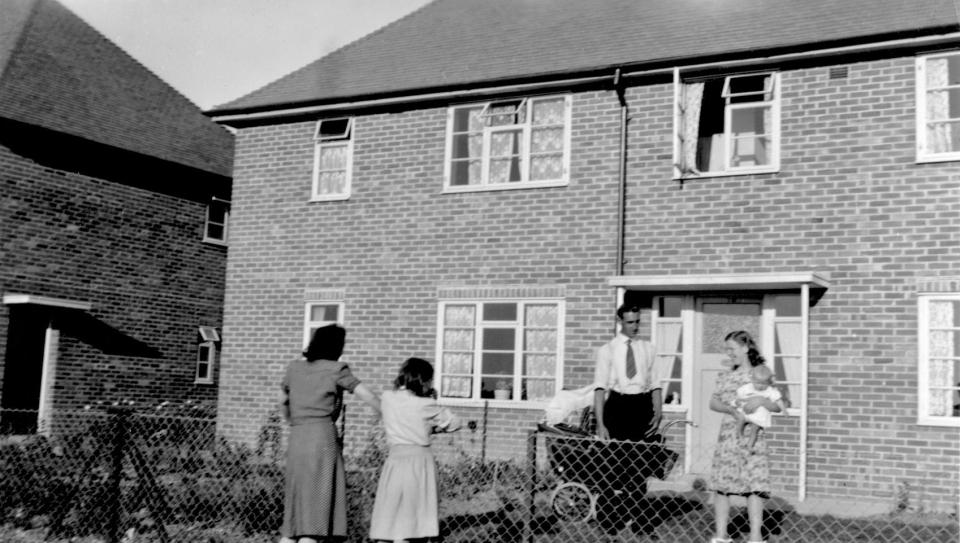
(849, 200)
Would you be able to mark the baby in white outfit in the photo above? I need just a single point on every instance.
(761, 381)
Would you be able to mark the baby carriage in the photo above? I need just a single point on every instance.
(589, 469)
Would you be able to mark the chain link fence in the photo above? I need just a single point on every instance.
(119, 475)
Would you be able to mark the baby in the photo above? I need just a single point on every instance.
(761, 381)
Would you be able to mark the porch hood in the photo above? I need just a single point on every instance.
(721, 281)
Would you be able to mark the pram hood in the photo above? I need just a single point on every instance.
(567, 402)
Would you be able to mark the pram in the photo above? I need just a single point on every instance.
(589, 468)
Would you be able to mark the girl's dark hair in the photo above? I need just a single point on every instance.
(326, 343)
(744, 338)
(415, 375)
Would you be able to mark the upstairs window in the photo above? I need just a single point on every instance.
(508, 144)
(938, 107)
(215, 229)
(939, 359)
(727, 125)
(333, 159)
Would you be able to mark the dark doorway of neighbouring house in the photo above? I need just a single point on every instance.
(22, 370)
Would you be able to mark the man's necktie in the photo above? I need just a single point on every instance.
(631, 362)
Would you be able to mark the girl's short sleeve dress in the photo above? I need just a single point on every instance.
(738, 469)
(315, 481)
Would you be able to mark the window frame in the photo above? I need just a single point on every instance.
(322, 142)
(923, 362)
(519, 326)
(309, 324)
(207, 238)
(921, 111)
(211, 347)
(525, 137)
(682, 170)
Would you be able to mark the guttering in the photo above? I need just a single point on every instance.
(562, 83)
(622, 182)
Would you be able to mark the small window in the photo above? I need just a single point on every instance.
(218, 213)
(319, 314)
(939, 359)
(938, 107)
(500, 350)
(518, 143)
(206, 353)
(727, 125)
(333, 159)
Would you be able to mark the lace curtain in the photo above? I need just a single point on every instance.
(690, 117)
(943, 356)
(939, 133)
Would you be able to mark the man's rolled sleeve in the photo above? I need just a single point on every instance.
(603, 369)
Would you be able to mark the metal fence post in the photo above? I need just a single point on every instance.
(120, 415)
(530, 512)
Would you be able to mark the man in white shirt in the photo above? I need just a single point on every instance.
(628, 406)
(627, 399)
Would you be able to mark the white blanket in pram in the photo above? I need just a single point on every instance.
(566, 402)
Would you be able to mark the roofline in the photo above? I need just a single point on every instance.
(924, 41)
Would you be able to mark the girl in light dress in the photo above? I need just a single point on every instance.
(406, 505)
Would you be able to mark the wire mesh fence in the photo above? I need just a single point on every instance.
(120, 475)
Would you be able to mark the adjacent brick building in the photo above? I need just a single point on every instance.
(115, 193)
(481, 183)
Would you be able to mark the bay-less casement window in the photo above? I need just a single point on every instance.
(727, 125)
(319, 314)
(333, 159)
(939, 359)
(206, 355)
(515, 143)
(508, 350)
(938, 107)
(218, 218)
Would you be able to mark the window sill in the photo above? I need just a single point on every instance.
(933, 159)
(729, 173)
(509, 404)
(948, 422)
(336, 198)
(512, 186)
(203, 382)
(217, 242)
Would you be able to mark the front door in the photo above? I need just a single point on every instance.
(715, 317)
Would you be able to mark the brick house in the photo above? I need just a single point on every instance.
(112, 224)
(481, 183)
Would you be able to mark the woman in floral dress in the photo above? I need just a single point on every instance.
(738, 469)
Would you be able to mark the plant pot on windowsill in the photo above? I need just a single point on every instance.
(502, 392)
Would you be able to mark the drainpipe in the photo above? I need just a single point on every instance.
(622, 187)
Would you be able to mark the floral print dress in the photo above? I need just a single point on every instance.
(738, 469)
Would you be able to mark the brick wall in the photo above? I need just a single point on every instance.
(135, 254)
(849, 200)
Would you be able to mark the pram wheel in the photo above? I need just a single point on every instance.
(573, 502)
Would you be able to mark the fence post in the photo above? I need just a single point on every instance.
(530, 513)
(120, 415)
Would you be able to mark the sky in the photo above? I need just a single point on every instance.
(214, 51)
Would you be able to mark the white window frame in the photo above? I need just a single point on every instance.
(309, 325)
(921, 99)
(684, 171)
(209, 221)
(208, 362)
(323, 142)
(923, 362)
(525, 129)
(518, 351)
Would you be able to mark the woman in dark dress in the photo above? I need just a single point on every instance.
(315, 481)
